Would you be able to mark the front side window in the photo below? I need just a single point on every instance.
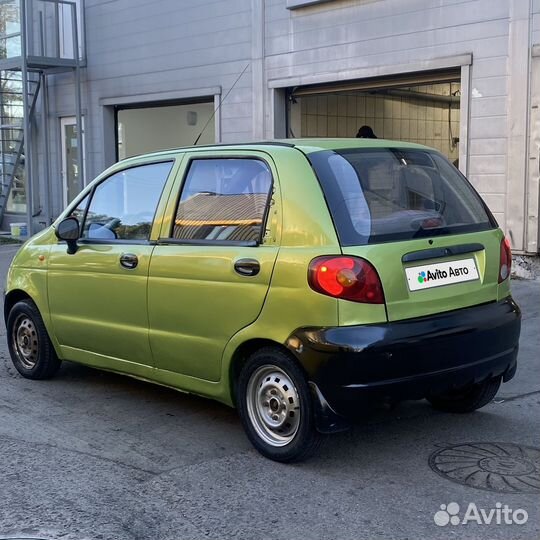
(389, 194)
(224, 200)
(123, 205)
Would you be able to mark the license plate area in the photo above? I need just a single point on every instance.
(427, 276)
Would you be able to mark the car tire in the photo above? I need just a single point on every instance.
(276, 406)
(30, 347)
(467, 400)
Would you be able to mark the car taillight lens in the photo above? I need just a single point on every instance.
(348, 278)
(506, 260)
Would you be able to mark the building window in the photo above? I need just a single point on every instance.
(10, 29)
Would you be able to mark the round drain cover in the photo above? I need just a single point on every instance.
(502, 467)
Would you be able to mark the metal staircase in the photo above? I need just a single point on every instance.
(38, 38)
(12, 134)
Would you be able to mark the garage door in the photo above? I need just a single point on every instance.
(417, 107)
(142, 129)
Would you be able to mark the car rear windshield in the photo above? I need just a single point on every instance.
(390, 194)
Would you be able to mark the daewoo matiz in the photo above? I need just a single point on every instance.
(294, 280)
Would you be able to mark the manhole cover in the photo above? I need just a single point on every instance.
(502, 467)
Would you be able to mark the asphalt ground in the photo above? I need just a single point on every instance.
(93, 455)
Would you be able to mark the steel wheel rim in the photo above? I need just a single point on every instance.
(25, 341)
(273, 405)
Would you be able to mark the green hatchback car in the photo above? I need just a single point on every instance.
(296, 280)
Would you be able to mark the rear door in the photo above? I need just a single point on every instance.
(210, 272)
(418, 221)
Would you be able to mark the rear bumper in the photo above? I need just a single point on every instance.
(409, 359)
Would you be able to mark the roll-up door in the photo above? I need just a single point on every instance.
(418, 107)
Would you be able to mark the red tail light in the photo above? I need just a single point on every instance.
(506, 260)
(348, 278)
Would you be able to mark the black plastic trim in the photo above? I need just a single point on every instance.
(105, 241)
(326, 419)
(203, 242)
(440, 252)
(409, 359)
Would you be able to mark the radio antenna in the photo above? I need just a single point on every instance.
(219, 106)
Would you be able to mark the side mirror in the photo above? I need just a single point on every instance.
(69, 231)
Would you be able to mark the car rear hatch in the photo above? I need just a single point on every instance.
(419, 278)
(418, 222)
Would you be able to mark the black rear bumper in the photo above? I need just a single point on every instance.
(409, 359)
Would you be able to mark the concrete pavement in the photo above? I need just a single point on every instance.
(92, 455)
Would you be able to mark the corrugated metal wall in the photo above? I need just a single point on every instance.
(536, 21)
(143, 46)
(340, 36)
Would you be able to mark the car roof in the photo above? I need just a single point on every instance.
(307, 146)
(315, 145)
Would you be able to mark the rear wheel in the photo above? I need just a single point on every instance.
(468, 399)
(30, 347)
(275, 406)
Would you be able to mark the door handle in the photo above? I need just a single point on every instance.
(129, 260)
(247, 267)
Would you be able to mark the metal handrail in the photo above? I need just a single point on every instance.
(9, 36)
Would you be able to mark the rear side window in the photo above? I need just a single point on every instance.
(224, 200)
(124, 204)
(385, 195)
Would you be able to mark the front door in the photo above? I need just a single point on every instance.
(97, 296)
(210, 272)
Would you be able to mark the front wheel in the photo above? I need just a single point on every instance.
(275, 406)
(30, 347)
(468, 399)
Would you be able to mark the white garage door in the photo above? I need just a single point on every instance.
(148, 129)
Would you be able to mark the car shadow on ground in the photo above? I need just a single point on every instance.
(146, 411)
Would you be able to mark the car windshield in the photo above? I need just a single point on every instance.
(389, 194)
